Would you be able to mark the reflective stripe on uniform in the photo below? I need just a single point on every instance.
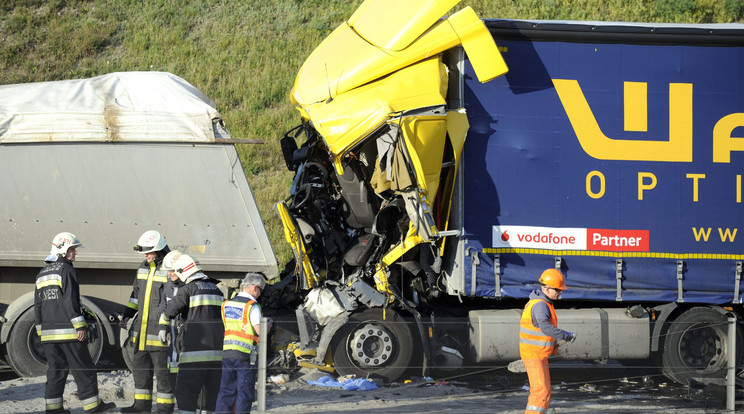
(53, 404)
(58, 334)
(142, 394)
(159, 276)
(536, 343)
(146, 309)
(535, 409)
(536, 338)
(235, 345)
(164, 398)
(78, 322)
(90, 403)
(153, 340)
(49, 280)
(133, 304)
(205, 300)
(200, 356)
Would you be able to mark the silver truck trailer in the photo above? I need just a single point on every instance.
(107, 159)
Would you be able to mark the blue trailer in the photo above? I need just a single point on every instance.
(622, 158)
(612, 152)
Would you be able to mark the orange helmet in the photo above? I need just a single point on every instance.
(553, 278)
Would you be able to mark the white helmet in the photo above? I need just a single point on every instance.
(61, 243)
(170, 260)
(150, 241)
(185, 266)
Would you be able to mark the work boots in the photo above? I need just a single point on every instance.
(103, 407)
(139, 406)
(164, 409)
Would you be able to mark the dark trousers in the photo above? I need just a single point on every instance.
(61, 359)
(238, 386)
(194, 376)
(144, 364)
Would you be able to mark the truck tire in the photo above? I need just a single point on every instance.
(127, 352)
(25, 353)
(696, 345)
(369, 345)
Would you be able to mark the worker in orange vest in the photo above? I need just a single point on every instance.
(539, 338)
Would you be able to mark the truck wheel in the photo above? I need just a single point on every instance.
(369, 345)
(127, 351)
(25, 353)
(696, 345)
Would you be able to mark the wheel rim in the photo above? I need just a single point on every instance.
(703, 347)
(35, 347)
(372, 345)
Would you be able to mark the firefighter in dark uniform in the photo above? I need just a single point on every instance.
(169, 327)
(150, 354)
(199, 303)
(63, 330)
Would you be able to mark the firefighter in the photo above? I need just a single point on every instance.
(169, 328)
(64, 333)
(539, 336)
(199, 303)
(242, 318)
(146, 304)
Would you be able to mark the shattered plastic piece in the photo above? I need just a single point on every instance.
(627, 381)
(346, 378)
(589, 388)
(279, 379)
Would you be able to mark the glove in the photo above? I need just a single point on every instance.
(163, 336)
(572, 337)
(123, 322)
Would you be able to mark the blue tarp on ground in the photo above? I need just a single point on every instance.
(360, 384)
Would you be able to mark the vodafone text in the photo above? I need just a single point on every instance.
(554, 238)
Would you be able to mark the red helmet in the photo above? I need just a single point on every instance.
(553, 278)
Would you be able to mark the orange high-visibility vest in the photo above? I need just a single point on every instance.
(533, 343)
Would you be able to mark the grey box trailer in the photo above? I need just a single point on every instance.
(108, 158)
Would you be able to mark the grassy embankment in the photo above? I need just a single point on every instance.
(245, 54)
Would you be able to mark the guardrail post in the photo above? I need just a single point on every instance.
(731, 376)
(261, 379)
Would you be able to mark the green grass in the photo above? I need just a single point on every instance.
(245, 54)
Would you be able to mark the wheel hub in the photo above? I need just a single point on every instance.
(701, 347)
(371, 345)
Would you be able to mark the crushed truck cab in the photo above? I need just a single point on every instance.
(381, 144)
(368, 212)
